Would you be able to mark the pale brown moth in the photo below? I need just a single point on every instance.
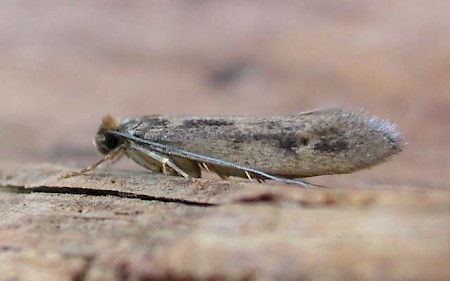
(280, 148)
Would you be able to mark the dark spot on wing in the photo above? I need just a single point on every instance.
(286, 141)
(273, 125)
(261, 137)
(289, 141)
(195, 123)
(157, 121)
(238, 138)
(331, 139)
(304, 141)
(327, 131)
(331, 145)
(242, 137)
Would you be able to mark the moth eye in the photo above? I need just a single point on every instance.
(111, 141)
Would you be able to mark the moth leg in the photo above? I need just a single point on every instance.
(164, 169)
(117, 153)
(206, 167)
(254, 177)
(248, 175)
(165, 161)
(117, 158)
(175, 167)
(211, 169)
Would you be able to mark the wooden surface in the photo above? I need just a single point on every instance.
(66, 64)
(140, 226)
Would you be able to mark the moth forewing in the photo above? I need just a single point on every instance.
(327, 141)
(318, 142)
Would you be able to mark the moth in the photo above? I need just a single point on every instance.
(280, 148)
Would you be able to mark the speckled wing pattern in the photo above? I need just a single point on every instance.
(319, 142)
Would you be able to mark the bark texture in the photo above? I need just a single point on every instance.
(141, 226)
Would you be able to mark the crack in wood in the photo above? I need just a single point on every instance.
(103, 192)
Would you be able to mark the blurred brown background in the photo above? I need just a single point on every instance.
(65, 64)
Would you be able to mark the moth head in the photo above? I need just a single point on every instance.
(105, 141)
